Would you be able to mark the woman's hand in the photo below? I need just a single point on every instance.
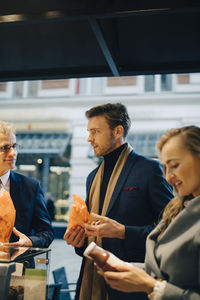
(129, 278)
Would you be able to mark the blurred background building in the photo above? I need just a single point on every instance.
(51, 128)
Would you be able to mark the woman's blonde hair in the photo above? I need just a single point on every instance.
(191, 140)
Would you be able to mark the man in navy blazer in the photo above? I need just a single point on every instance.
(126, 195)
(32, 224)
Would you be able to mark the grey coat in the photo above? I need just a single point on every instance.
(176, 257)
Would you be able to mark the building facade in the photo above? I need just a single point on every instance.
(51, 127)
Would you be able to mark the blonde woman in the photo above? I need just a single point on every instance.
(172, 264)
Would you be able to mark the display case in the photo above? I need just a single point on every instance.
(24, 273)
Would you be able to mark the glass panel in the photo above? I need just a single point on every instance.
(149, 83)
(18, 89)
(144, 143)
(32, 88)
(59, 189)
(30, 275)
(166, 82)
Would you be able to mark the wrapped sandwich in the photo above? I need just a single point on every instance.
(78, 214)
(7, 216)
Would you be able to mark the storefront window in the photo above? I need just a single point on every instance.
(149, 83)
(58, 186)
(59, 189)
(166, 82)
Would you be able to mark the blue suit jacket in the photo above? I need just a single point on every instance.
(139, 197)
(32, 217)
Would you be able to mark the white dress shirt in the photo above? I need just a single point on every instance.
(5, 181)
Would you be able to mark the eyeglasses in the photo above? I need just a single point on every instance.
(7, 148)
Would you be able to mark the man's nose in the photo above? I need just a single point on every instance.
(90, 138)
(12, 151)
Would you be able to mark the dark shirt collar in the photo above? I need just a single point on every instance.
(113, 156)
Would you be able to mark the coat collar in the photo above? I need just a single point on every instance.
(191, 214)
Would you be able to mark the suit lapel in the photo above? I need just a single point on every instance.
(122, 178)
(150, 255)
(14, 187)
(132, 158)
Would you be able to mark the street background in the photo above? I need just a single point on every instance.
(63, 255)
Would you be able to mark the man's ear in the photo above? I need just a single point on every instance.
(118, 131)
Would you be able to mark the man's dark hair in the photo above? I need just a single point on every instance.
(115, 114)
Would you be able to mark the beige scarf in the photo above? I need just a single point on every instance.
(93, 285)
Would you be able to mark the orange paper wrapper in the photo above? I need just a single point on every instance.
(7, 216)
(78, 214)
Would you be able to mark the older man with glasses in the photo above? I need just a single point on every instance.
(32, 225)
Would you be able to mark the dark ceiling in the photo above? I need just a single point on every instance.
(44, 39)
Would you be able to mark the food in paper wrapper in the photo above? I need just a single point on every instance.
(7, 216)
(78, 214)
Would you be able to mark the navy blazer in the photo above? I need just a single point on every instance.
(138, 200)
(32, 217)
